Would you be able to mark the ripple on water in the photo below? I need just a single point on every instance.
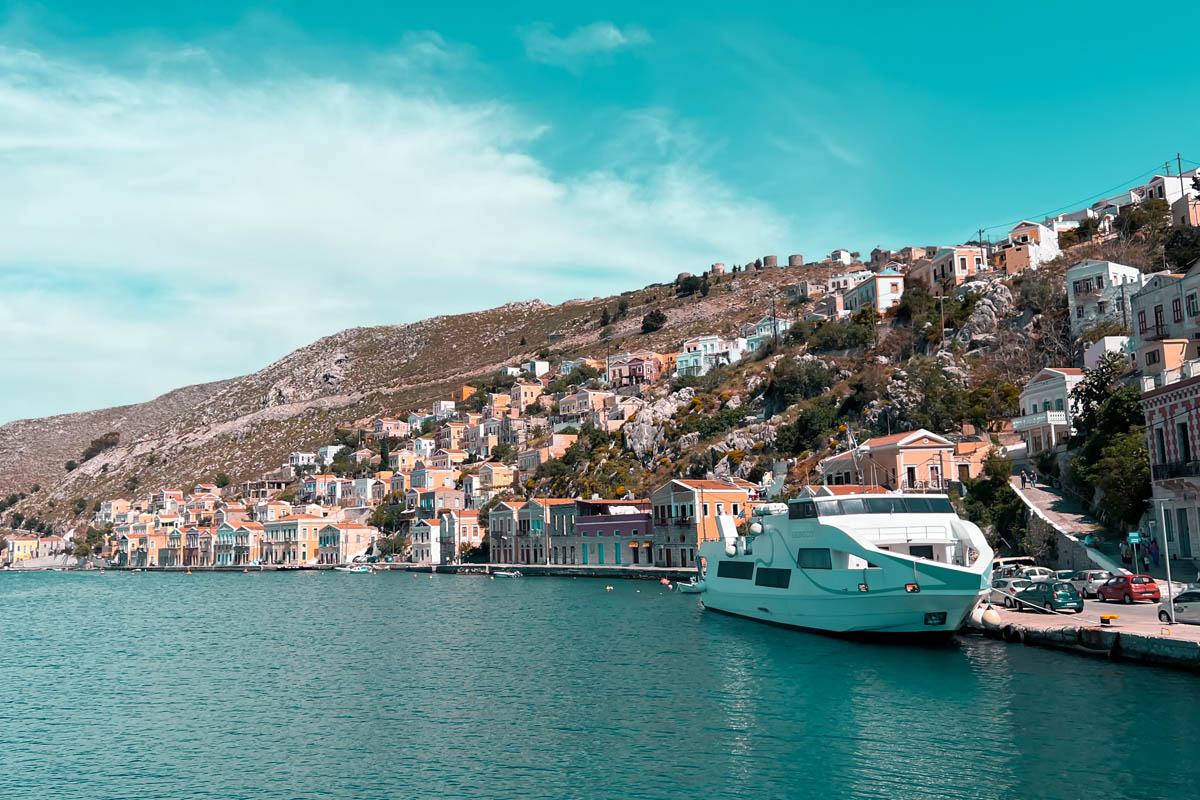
(331, 685)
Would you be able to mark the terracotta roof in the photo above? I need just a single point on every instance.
(292, 517)
(851, 488)
(714, 486)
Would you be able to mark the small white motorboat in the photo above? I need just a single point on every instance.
(691, 587)
(353, 568)
(506, 573)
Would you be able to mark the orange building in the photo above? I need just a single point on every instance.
(686, 511)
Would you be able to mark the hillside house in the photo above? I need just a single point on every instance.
(1047, 409)
(911, 461)
(880, 292)
(1102, 291)
(685, 514)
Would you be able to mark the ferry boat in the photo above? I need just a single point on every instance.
(853, 563)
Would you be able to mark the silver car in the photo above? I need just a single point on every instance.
(1187, 608)
(1087, 581)
(1004, 589)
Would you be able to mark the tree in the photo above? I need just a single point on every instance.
(131, 483)
(389, 516)
(809, 427)
(222, 480)
(622, 308)
(688, 286)
(1096, 387)
(71, 465)
(653, 321)
(791, 381)
(504, 453)
(554, 468)
(80, 505)
(522, 341)
(1182, 246)
(110, 439)
(384, 453)
(704, 288)
(1088, 228)
(1123, 474)
(605, 319)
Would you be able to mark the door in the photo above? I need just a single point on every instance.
(910, 475)
(1186, 608)
(668, 556)
(1185, 533)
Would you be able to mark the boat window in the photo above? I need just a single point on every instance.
(828, 508)
(814, 558)
(853, 506)
(803, 509)
(940, 505)
(742, 570)
(921, 551)
(885, 505)
(774, 578)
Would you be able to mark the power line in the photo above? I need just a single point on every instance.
(1088, 199)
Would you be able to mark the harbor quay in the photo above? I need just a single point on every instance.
(1130, 633)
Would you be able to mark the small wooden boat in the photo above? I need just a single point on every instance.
(691, 587)
(507, 573)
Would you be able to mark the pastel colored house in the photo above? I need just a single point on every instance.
(523, 394)
(880, 292)
(765, 331)
(389, 426)
(914, 460)
(494, 475)
(459, 531)
(502, 532)
(1103, 291)
(1047, 409)
(1170, 402)
(21, 548)
(685, 514)
(292, 540)
(605, 533)
(342, 542)
(953, 266)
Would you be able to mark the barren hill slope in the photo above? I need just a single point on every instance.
(247, 425)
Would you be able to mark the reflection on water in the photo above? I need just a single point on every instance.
(336, 685)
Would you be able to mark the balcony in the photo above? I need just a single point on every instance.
(1157, 332)
(1177, 469)
(1039, 419)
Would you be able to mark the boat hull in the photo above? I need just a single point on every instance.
(884, 613)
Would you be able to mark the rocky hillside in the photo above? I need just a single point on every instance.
(246, 425)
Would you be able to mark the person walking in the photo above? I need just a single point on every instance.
(1024, 480)
(1126, 556)
(1145, 561)
(1154, 552)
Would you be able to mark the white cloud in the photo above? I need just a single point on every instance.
(226, 223)
(583, 44)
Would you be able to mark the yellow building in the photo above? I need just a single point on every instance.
(21, 548)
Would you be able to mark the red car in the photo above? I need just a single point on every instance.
(1128, 588)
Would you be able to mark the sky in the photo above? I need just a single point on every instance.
(190, 191)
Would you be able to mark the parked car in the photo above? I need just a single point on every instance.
(1037, 574)
(1064, 574)
(1128, 588)
(1004, 589)
(1187, 608)
(1087, 581)
(1053, 596)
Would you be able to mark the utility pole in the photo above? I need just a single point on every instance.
(1187, 207)
(774, 323)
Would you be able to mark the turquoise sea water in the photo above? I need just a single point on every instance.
(328, 685)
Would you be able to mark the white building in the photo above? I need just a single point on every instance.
(846, 280)
(1046, 409)
(841, 256)
(443, 409)
(327, 453)
(1103, 346)
(302, 459)
(536, 368)
(425, 536)
(881, 292)
(1101, 291)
